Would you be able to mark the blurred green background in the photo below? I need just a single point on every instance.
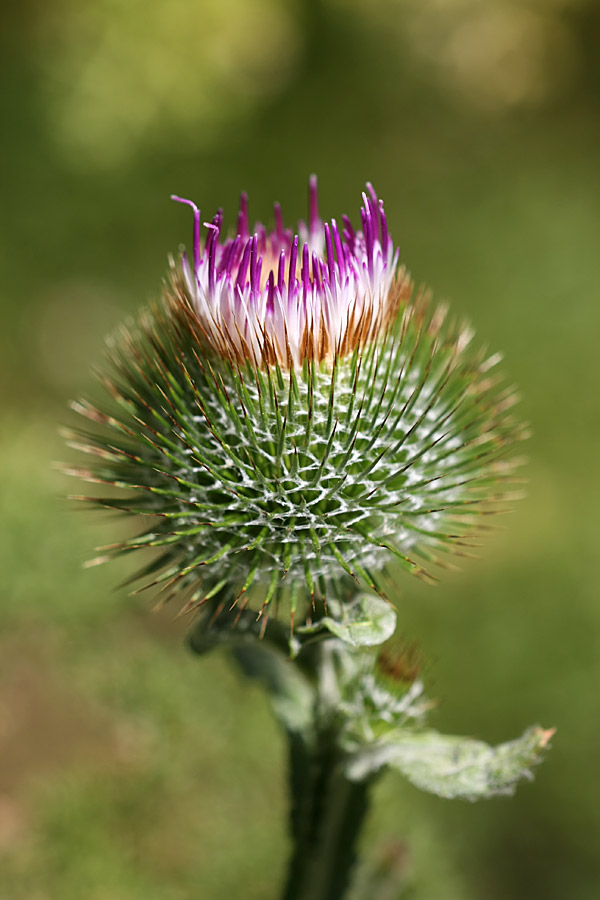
(128, 769)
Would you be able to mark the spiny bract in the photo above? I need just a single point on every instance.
(291, 433)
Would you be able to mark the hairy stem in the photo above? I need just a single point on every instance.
(326, 818)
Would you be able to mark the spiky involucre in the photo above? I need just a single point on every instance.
(293, 483)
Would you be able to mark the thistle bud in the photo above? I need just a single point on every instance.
(292, 418)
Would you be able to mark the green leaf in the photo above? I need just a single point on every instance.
(452, 766)
(368, 622)
(292, 696)
(232, 627)
(265, 658)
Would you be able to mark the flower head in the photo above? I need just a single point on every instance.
(278, 297)
(293, 422)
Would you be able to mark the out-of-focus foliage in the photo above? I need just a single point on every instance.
(190, 66)
(493, 55)
(128, 768)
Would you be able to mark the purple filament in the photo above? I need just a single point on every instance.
(345, 263)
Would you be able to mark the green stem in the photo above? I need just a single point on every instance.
(326, 817)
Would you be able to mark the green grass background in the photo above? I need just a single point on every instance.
(130, 770)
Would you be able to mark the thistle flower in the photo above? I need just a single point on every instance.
(293, 420)
(284, 299)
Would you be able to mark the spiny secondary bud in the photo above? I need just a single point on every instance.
(293, 420)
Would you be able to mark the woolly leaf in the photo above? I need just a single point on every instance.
(452, 766)
(367, 622)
